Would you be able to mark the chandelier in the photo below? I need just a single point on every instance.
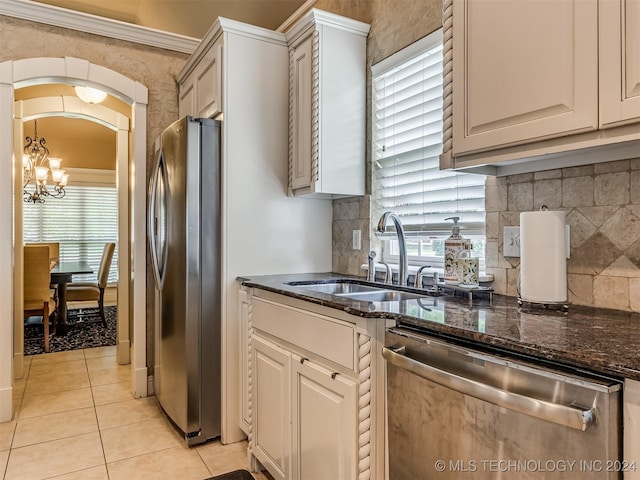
(35, 169)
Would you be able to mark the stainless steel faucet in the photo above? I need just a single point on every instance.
(402, 269)
(371, 273)
(389, 275)
(418, 280)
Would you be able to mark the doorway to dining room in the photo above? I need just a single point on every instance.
(131, 142)
(77, 226)
(87, 216)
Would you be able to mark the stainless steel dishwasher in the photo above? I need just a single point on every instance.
(458, 413)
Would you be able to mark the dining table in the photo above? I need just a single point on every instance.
(62, 274)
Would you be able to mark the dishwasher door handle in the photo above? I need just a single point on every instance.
(572, 417)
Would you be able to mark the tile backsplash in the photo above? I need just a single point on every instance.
(350, 214)
(602, 203)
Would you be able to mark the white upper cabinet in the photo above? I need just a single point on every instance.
(619, 62)
(533, 85)
(327, 105)
(523, 70)
(201, 91)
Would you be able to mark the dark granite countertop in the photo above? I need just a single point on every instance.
(600, 340)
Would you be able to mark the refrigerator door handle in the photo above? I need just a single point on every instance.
(157, 258)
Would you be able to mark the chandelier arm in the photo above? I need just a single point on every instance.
(36, 156)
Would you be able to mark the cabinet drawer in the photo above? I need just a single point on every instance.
(315, 333)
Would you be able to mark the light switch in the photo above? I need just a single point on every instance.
(357, 239)
(511, 242)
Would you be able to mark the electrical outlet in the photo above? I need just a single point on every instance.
(511, 242)
(357, 239)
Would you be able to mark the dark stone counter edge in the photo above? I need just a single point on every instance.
(609, 366)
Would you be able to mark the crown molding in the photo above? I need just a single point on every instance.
(297, 15)
(226, 25)
(84, 22)
(320, 17)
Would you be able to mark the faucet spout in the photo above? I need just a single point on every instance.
(402, 243)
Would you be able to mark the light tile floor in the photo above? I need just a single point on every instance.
(75, 418)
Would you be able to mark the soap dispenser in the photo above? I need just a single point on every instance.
(454, 246)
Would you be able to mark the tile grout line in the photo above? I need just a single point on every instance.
(17, 417)
(28, 382)
(204, 462)
(95, 413)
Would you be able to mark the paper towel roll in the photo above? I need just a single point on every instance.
(543, 263)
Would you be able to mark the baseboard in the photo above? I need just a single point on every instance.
(124, 352)
(6, 404)
(150, 387)
(18, 365)
(139, 377)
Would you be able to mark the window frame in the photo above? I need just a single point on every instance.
(83, 178)
(384, 67)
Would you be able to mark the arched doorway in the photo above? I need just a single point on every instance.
(131, 141)
(71, 106)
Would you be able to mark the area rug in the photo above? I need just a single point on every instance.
(86, 334)
(237, 475)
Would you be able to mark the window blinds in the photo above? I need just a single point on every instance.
(407, 142)
(82, 222)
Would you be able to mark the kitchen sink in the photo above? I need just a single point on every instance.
(338, 288)
(362, 292)
(382, 295)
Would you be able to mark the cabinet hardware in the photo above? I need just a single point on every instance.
(303, 359)
(334, 375)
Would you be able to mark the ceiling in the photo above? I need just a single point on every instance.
(73, 138)
(191, 18)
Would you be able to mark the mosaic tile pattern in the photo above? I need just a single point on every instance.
(602, 202)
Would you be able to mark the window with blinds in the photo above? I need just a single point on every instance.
(82, 222)
(407, 142)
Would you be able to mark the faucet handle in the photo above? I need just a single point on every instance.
(371, 272)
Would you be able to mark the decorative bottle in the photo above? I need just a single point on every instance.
(454, 246)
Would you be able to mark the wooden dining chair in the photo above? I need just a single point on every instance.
(54, 250)
(84, 292)
(37, 293)
(54, 257)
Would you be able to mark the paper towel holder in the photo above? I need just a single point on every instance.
(560, 306)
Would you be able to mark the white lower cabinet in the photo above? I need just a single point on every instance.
(323, 423)
(271, 423)
(315, 409)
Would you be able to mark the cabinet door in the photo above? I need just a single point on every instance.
(300, 122)
(243, 309)
(523, 71)
(619, 62)
(187, 104)
(271, 407)
(324, 419)
(208, 79)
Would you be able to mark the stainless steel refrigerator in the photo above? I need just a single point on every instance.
(184, 231)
